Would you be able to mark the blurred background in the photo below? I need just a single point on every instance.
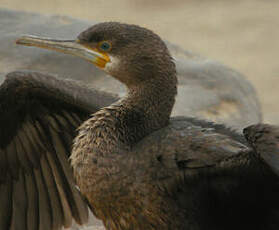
(242, 34)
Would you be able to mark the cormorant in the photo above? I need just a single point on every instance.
(136, 167)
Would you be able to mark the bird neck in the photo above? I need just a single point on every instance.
(149, 105)
(145, 109)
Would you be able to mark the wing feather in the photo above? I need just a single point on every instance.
(33, 202)
(30, 144)
(45, 220)
(24, 159)
(3, 167)
(19, 204)
(67, 214)
(13, 160)
(39, 116)
(6, 204)
(56, 208)
(78, 208)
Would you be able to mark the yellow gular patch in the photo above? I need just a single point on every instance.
(100, 61)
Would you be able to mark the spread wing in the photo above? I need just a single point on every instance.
(39, 115)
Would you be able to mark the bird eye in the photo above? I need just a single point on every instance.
(105, 46)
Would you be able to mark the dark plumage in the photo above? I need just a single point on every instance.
(39, 118)
(136, 167)
(264, 138)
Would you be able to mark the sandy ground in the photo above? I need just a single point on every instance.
(243, 34)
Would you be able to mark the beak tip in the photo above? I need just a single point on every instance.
(21, 40)
(26, 40)
(18, 41)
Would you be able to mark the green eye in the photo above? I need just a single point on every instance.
(105, 46)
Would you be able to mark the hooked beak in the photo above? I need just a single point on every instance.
(73, 47)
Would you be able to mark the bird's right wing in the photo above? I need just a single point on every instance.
(39, 115)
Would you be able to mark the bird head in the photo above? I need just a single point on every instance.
(129, 53)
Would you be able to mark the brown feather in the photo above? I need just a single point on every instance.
(6, 203)
(33, 213)
(56, 209)
(79, 210)
(67, 214)
(45, 219)
(19, 204)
